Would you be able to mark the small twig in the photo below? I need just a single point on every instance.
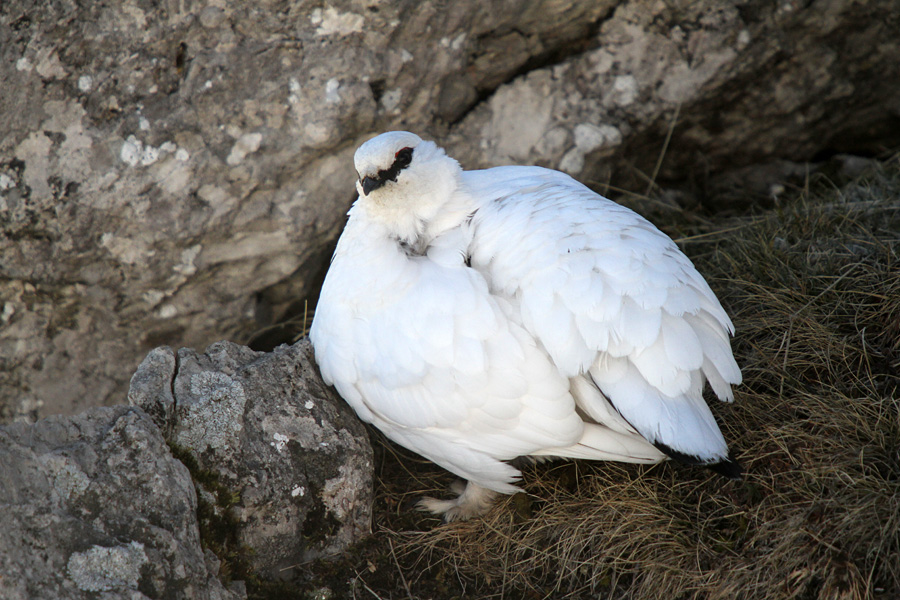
(699, 236)
(787, 347)
(305, 312)
(399, 570)
(825, 291)
(366, 587)
(795, 314)
(662, 152)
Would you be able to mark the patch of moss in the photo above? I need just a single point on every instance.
(219, 532)
(320, 524)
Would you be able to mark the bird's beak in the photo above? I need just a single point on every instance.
(369, 184)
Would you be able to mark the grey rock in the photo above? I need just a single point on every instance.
(739, 83)
(295, 457)
(95, 506)
(174, 173)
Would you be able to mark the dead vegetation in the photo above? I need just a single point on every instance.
(813, 286)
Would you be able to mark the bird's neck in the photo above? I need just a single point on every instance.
(418, 211)
(456, 211)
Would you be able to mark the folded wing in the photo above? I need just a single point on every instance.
(611, 299)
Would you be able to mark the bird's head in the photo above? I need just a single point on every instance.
(404, 181)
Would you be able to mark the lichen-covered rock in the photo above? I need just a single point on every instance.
(95, 506)
(733, 84)
(293, 458)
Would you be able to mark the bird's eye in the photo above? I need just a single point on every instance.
(403, 158)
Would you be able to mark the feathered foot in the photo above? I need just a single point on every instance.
(473, 501)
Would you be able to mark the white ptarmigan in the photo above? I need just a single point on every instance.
(478, 316)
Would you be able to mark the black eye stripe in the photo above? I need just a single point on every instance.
(401, 160)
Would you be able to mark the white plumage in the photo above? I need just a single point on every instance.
(478, 316)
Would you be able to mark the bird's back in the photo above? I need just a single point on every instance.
(610, 298)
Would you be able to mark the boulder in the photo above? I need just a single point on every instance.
(280, 459)
(95, 506)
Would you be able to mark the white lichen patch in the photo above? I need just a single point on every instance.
(48, 64)
(554, 142)
(590, 137)
(455, 44)
(317, 133)
(332, 22)
(9, 309)
(521, 113)
(27, 408)
(187, 267)
(624, 90)
(213, 419)
(101, 569)
(149, 156)
(34, 151)
(153, 297)
(166, 311)
(85, 83)
(134, 152)
(572, 162)
(298, 491)
(68, 479)
(125, 249)
(294, 89)
(331, 91)
(280, 441)
(246, 144)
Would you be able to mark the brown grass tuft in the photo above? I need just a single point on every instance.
(814, 289)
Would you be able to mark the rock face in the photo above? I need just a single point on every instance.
(291, 457)
(175, 172)
(739, 84)
(95, 506)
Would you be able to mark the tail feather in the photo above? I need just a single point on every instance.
(601, 443)
(727, 467)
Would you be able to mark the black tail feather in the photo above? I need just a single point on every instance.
(729, 467)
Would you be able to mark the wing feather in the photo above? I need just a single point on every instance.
(606, 293)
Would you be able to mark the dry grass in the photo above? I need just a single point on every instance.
(814, 289)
